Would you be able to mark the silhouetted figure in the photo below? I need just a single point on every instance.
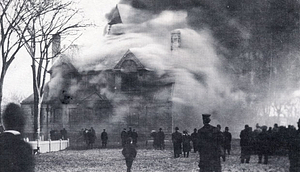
(186, 144)
(155, 140)
(209, 142)
(294, 149)
(264, 145)
(177, 141)
(194, 137)
(227, 141)
(124, 137)
(16, 155)
(91, 135)
(129, 152)
(222, 151)
(129, 132)
(134, 136)
(64, 134)
(104, 138)
(161, 139)
(246, 144)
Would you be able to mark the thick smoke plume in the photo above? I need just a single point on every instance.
(255, 43)
(229, 49)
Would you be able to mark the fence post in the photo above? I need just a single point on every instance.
(49, 145)
(60, 144)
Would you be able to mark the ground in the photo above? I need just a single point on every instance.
(148, 160)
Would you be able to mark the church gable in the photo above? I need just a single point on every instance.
(129, 63)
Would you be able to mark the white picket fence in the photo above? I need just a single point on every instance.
(49, 146)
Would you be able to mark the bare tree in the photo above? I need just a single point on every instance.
(14, 15)
(52, 19)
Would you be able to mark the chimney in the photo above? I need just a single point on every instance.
(175, 40)
(55, 46)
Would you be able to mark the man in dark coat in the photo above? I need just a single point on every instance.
(134, 136)
(227, 140)
(209, 146)
(124, 137)
(246, 144)
(104, 138)
(186, 144)
(264, 145)
(161, 139)
(177, 141)
(155, 140)
(194, 137)
(129, 152)
(15, 154)
(294, 149)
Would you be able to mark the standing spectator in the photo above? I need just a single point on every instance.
(15, 154)
(209, 146)
(64, 134)
(129, 152)
(104, 138)
(91, 135)
(222, 151)
(246, 144)
(161, 139)
(294, 149)
(155, 140)
(227, 140)
(134, 136)
(194, 137)
(129, 132)
(186, 144)
(177, 141)
(124, 137)
(264, 145)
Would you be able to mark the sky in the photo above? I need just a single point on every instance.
(18, 81)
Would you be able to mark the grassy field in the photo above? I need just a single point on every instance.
(111, 160)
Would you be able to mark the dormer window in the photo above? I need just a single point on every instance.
(129, 76)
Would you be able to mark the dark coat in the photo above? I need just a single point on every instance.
(129, 151)
(227, 139)
(186, 143)
(209, 142)
(177, 141)
(104, 136)
(15, 154)
(294, 151)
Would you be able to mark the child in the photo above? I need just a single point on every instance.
(129, 153)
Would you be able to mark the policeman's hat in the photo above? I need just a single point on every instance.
(206, 115)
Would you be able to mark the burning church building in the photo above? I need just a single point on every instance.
(150, 71)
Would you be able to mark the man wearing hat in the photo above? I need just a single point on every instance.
(209, 142)
(177, 141)
(294, 150)
(161, 139)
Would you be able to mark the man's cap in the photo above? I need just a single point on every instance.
(160, 128)
(176, 128)
(206, 115)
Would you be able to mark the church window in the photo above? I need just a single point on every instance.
(129, 76)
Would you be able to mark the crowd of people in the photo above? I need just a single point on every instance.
(57, 135)
(131, 133)
(158, 139)
(265, 141)
(210, 142)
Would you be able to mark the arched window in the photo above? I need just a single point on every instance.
(129, 76)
